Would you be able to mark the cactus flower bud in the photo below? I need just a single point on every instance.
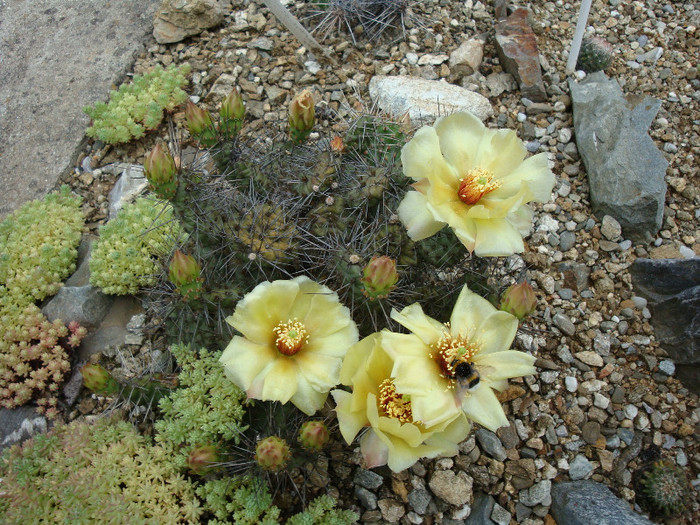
(272, 453)
(99, 380)
(380, 277)
(314, 435)
(161, 172)
(519, 300)
(201, 459)
(232, 112)
(185, 273)
(199, 124)
(301, 116)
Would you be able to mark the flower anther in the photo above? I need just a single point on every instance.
(393, 404)
(477, 183)
(291, 337)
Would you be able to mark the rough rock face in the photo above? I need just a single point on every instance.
(625, 169)
(424, 100)
(517, 50)
(178, 19)
(673, 288)
(590, 503)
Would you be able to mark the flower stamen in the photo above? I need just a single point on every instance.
(450, 351)
(394, 405)
(291, 337)
(477, 183)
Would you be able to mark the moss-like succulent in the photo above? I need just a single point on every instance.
(323, 511)
(239, 500)
(34, 357)
(207, 409)
(137, 107)
(125, 257)
(39, 247)
(102, 473)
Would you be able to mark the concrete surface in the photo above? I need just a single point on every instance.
(57, 56)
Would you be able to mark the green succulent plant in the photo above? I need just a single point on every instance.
(138, 107)
(125, 257)
(39, 247)
(665, 488)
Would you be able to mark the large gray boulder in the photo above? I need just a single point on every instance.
(625, 169)
(672, 287)
(55, 58)
(590, 503)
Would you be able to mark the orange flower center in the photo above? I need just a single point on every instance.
(477, 183)
(450, 351)
(291, 337)
(394, 405)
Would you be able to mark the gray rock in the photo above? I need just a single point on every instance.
(610, 228)
(45, 69)
(625, 168)
(19, 424)
(564, 324)
(590, 503)
(86, 305)
(368, 479)
(500, 515)
(131, 183)
(481, 510)
(539, 493)
(424, 100)
(672, 287)
(580, 467)
(567, 240)
(367, 499)
(419, 499)
(491, 444)
(178, 19)
(455, 489)
(112, 330)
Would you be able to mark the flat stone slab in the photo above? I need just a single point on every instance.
(425, 100)
(55, 58)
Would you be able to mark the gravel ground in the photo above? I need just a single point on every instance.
(602, 377)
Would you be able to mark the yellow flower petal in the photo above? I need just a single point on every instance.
(496, 333)
(356, 357)
(262, 309)
(350, 422)
(308, 398)
(414, 214)
(481, 406)
(497, 238)
(321, 371)
(280, 380)
(413, 318)
(461, 137)
(243, 360)
(504, 365)
(421, 157)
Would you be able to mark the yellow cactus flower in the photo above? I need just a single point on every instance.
(294, 336)
(453, 367)
(394, 437)
(475, 179)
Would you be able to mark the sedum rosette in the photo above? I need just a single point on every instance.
(295, 335)
(475, 179)
(395, 437)
(455, 367)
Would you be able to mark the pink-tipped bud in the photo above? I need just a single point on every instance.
(99, 380)
(200, 124)
(185, 273)
(161, 172)
(202, 459)
(379, 277)
(519, 300)
(301, 116)
(232, 112)
(314, 435)
(272, 453)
